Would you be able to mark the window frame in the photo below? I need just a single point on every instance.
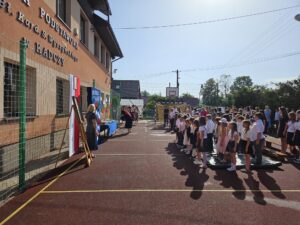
(58, 10)
(107, 60)
(83, 38)
(31, 112)
(64, 109)
(103, 55)
(96, 47)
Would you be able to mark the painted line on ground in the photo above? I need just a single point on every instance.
(166, 190)
(40, 192)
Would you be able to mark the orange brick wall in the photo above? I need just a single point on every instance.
(87, 68)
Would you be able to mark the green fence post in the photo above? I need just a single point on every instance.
(22, 115)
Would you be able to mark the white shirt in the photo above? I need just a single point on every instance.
(232, 137)
(203, 129)
(240, 127)
(177, 123)
(246, 135)
(216, 129)
(253, 133)
(291, 127)
(297, 125)
(171, 115)
(259, 128)
(210, 126)
(181, 126)
(192, 129)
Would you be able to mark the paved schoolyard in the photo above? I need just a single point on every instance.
(141, 178)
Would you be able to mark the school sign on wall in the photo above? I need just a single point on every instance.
(51, 24)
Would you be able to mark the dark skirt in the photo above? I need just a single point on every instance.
(92, 140)
(230, 147)
(297, 138)
(281, 128)
(290, 138)
(128, 122)
(243, 145)
(203, 148)
(193, 140)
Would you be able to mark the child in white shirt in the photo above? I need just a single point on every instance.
(290, 130)
(297, 136)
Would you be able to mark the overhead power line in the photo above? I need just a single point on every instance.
(206, 21)
(225, 66)
(243, 63)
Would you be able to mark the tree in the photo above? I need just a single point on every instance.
(224, 84)
(187, 95)
(145, 93)
(241, 83)
(210, 93)
(289, 93)
(153, 99)
(243, 92)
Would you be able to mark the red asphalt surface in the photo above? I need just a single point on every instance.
(141, 178)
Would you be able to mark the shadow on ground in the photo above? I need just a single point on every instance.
(81, 164)
(183, 163)
(196, 178)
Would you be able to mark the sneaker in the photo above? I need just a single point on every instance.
(187, 152)
(194, 153)
(182, 150)
(197, 162)
(231, 169)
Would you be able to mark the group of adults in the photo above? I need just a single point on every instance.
(94, 125)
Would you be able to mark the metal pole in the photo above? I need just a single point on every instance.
(22, 115)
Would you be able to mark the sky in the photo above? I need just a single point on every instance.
(149, 52)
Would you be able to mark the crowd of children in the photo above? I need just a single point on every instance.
(226, 134)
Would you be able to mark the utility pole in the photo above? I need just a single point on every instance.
(177, 79)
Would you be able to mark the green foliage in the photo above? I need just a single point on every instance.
(224, 84)
(244, 93)
(210, 93)
(187, 95)
(153, 99)
(241, 83)
(145, 93)
(289, 93)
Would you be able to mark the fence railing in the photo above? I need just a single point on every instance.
(31, 131)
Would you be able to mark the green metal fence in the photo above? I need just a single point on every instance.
(31, 131)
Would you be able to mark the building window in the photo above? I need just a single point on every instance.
(62, 96)
(117, 87)
(83, 31)
(102, 55)
(61, 10)
(83, 99)
(107, 61)
(96, 46)
(12, 91)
